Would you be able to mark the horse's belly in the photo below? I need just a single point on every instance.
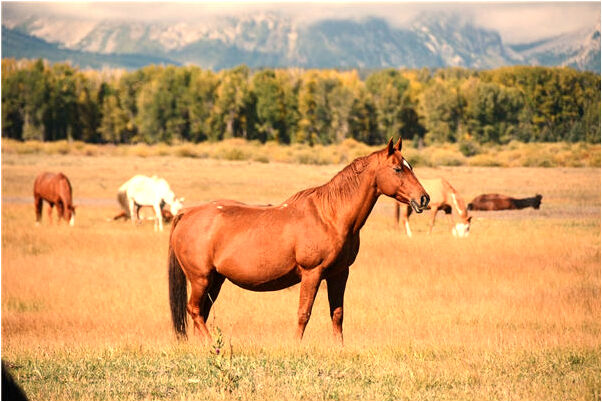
(281, 282)
(258, 268)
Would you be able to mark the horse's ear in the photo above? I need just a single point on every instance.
(398, 144)
(390, 149)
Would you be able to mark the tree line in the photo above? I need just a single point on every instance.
(46, 102)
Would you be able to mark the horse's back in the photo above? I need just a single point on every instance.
(146, 190)
(492, 202)
(436, 189)
(255, 247)
(52, 186)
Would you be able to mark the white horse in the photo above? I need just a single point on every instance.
(148, 191)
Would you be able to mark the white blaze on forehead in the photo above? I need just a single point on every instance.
(407, 164)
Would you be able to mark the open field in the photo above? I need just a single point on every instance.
(512, 312)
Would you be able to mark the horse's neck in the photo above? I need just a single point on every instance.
(350, 213)
(458, 203)
(524, 202)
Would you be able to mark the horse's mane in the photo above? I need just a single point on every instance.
(340, 188)
(62, 176)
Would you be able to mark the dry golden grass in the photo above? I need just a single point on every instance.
(512, 312)
(513, 154)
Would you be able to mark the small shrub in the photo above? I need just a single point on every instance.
(141, 150)
(186, 151)
(469, 148)
(488, 160)
(232, 154)
(261, 159)
(446, 157)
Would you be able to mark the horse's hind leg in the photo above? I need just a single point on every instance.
(336, 292)
(60, 208)
(195, 307)
(50, 205)
(215, 285)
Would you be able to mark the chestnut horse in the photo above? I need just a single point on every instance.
(313, 235)
(56, 190)
(443, 198)
(497, 202)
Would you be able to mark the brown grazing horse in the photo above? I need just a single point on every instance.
(497, 202)
(313, 235)
(443, 198)
(56, 190)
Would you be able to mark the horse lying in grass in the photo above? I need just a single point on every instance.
(153, 191)
(55, 189)
(310, 237)
(443, 198)
(498, 202)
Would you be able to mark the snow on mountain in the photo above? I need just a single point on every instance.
(269, 39)
(580, 49)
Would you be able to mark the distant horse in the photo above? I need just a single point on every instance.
(148, 191)
(56, 189)
(443, 198)
(167, 215)
(313, 235)
(496, 202)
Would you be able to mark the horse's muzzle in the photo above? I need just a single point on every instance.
(424, 202)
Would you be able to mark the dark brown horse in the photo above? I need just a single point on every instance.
(497, 202)
(314, 235)
(56, 190)
(165, 213)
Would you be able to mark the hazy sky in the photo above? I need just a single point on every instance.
(516, 21)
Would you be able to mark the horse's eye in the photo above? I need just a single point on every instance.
(398, 169)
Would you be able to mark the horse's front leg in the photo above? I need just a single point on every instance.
(434, 211)
(310, 282)
(158, 217)
(336, 292)
(38, 204)
(133, 212)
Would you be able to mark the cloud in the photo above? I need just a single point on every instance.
(515, 21)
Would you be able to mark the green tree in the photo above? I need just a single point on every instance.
(389, 93)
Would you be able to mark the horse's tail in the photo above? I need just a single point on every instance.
(123, 202)
(177, 288)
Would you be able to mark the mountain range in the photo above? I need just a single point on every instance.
(270, 40)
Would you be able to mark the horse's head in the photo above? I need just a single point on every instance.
(70, 214)
(175, 204)
(395, 178)
(537, 202)
(462, 228)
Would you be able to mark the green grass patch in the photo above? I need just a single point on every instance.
(186, 372)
